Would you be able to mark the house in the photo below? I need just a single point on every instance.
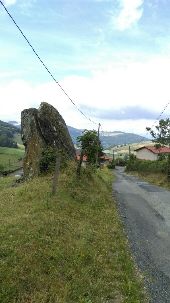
(151, 152)
(104, 160)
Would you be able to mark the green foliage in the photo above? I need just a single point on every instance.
(90, 145)
(65, 248)
(120, 162)
(48, 160)
(147, 166)
(111, 165)
(7, 133)
(1, 168)
(6, 141)
(161, 135)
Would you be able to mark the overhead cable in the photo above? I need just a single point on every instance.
(44, 65)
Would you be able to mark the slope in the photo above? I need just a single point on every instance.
(64, 248)
(7, 134)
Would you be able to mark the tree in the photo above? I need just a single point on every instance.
(162, 136)
(90, 146)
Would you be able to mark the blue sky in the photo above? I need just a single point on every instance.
(111, 56)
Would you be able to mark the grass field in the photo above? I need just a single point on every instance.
(10, 158)
(67, 248)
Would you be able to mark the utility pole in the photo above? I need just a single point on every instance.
(98, 139)
(129, 151)
(98, 132)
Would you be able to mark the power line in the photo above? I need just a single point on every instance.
(51, 75)
(161, 113)
(44, 65)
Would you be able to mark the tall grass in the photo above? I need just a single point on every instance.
(65, 248)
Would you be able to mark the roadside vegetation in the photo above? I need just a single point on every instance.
(11, 158)
(151, 171)
(157, 172)
(147, 166)
(159, 179)
(68, 247)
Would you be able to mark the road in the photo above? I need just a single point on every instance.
(145, 211)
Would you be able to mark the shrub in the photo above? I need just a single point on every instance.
(147, 166)
(120, 162)
(48, 160)
(111, 165)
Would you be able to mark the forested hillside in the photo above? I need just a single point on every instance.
(7, 134)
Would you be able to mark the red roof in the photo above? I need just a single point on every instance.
(153, 149)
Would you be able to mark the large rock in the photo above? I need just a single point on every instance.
(42, 128)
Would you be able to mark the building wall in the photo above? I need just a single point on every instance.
(145, 154)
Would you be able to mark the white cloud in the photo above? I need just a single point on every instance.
(115, 87)
(9, 2)
(131, 12)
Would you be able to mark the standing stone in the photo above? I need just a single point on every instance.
(42, 128)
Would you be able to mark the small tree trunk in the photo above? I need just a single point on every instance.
(56, 175)
(80, 163)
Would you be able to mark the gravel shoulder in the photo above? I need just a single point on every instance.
(145, 211)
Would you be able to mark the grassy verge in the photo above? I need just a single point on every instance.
(10, 158)
(159, 179)
(67, 248)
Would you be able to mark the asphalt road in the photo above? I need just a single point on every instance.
(145, 211)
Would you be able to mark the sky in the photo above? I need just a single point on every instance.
(112, 57)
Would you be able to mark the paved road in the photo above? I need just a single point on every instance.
(145, 210)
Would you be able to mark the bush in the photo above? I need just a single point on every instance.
(48, 159)
(147, 166)
(120, 162)
(111, 165)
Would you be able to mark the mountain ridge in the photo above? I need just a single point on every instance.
(111, 138)
(108, 139)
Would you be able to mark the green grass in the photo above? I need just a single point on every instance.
(159, 179)
(67, 248)
(17, 138)
(9, 158)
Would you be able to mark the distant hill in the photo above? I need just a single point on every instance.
(74, 133)
(11, 131)
(120, 138)
(7, 134)
(109, 139)
(15, 123)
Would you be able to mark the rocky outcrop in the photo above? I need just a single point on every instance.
(42, 128)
